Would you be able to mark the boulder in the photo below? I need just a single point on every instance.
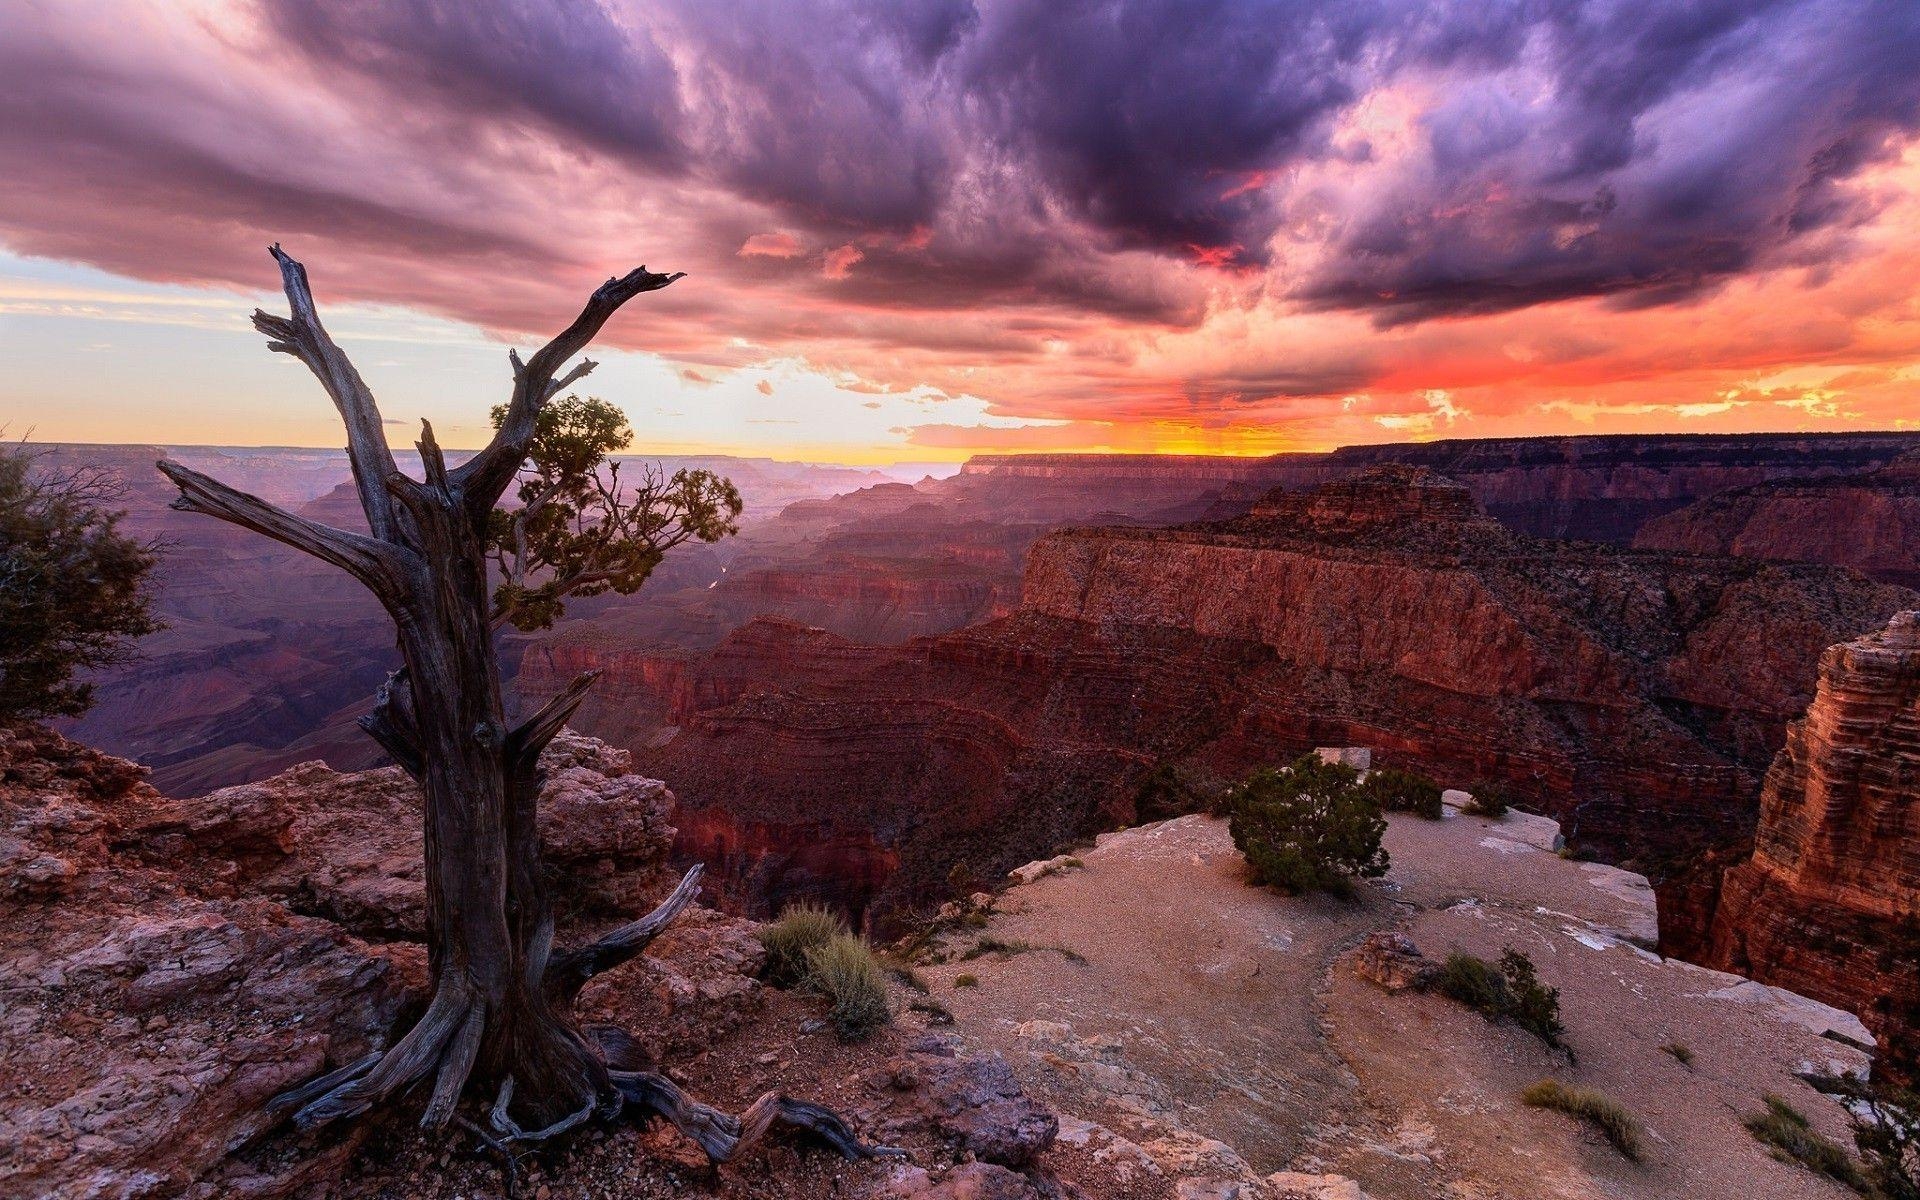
(972, 1100)
(1391, 960)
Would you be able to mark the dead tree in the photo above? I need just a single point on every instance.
(500, 1015)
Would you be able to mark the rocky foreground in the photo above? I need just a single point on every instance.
(1134, 1023)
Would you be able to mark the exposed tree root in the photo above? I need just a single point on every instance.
(724, 1136)
(447, 1044)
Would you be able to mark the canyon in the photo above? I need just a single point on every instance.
(268, 659)
(883, 687)
(1635, 696)
(884, 695)
(1878, 510)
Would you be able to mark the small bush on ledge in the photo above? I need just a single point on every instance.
(1405, 791)
(1308, 826)
(1509, 989)
(1607, 1115)
(1491, 800)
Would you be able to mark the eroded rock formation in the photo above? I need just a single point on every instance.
(1829, 902)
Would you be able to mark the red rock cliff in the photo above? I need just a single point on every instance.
(1829, 902)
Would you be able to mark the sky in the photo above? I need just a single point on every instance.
(915, 230)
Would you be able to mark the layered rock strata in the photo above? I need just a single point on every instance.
(1829, 902)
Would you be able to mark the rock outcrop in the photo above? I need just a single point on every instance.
(167, 966)
(1829, 902)
(150, 1010)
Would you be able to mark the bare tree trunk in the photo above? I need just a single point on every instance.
(500, 1013)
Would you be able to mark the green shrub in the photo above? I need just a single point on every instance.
(1405, 791)
(846, 971)
(1886, 1130)
(966, 979)
(1476, 983)
(1679, 1052)
(1307, 826)
(1619, 1126)
(1490, 799)
(1509, 989)
(801, 929)
(1536, 1007)
(1791, 1138)
(75, 592)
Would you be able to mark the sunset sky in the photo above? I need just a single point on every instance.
(919, 230)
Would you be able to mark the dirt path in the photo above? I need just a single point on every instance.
(1197, 1002)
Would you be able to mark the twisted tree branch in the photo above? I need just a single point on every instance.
(569, 972)
(391, 723)
(378, 565)
(303, 336)
(724, 1136)
(530, 737)
(487, 475)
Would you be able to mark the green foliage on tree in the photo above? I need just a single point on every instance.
(581, 528)
(74, 591)
(1308, 826)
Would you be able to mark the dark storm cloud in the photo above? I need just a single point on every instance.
(1642, 151)
(1110, 158)
(569, 66)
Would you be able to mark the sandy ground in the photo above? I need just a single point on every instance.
(1204, 1003)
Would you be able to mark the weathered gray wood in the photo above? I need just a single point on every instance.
(487, 475)
(570, 971)
(499, 1011)
(303, 336)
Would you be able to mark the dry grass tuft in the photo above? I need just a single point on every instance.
(1607, 1115)
(801, 929)
(846, 971)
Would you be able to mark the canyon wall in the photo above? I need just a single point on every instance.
(1635, 696)
(1869, 521)
(1829, 902)
(1596, 488)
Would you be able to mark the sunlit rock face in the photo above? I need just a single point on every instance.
(1829, 902)
(1637, 697)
